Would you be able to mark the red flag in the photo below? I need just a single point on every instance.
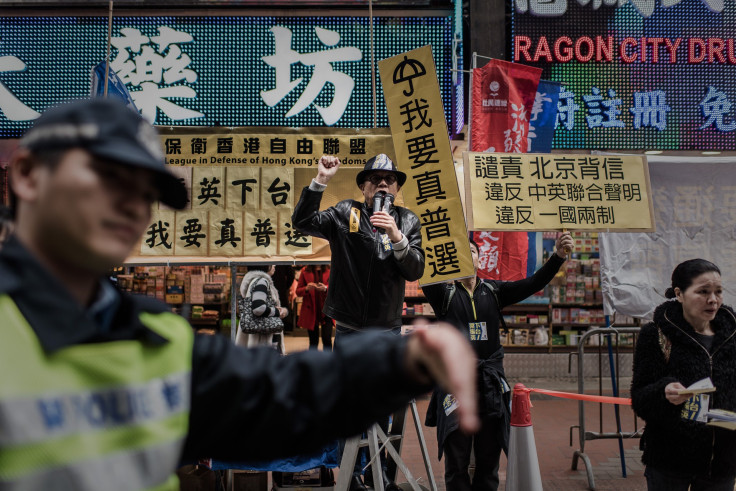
(490, 245)
(502, 255)
(503, 96)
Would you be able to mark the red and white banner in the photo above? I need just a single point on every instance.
(504, 256)
(503, 96)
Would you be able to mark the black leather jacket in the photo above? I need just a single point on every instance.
(366, 280)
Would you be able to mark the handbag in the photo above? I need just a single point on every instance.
(252, 324)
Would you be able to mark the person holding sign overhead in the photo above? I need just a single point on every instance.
(376, 247)
(692, 338)
(474, 306)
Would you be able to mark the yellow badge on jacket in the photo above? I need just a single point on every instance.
(354, 219)
(449, 404)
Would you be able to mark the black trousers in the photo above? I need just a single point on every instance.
(487, 446)
(660, 480)
(314, 336)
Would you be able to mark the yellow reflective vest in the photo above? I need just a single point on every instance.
(109, 415)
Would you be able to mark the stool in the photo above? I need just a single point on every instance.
(392, 443)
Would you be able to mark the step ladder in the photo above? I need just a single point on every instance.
(376, 439)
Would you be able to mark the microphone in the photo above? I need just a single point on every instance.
(378, 203)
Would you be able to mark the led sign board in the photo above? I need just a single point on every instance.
(216, 71)
(637, 74)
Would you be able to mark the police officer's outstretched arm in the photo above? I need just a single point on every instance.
(443, 354)
(261, 399)
(307, 218)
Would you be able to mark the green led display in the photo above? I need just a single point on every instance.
(218, 71)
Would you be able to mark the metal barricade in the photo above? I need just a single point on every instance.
(583, 434)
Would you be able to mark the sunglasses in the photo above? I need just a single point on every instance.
(376, 179)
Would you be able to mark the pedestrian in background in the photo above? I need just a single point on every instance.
(261, 313)
(283, 279)
(692, 337)
(312, 287)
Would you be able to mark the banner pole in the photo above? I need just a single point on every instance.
(373, 61)
(468, 138)
(567, 249)
(109, 37)
(614, 386)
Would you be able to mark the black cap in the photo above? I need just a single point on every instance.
(380, 162)
(111, 131)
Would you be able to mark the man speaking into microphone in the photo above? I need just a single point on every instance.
(375, 246)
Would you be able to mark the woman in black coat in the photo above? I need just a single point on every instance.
(692, 337)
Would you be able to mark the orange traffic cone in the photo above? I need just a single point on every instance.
(522, 472)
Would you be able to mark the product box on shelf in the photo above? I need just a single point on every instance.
(196, 288)
(558, 340)
(174, 297)
(569, 336)
(520, 337)
(412, 289)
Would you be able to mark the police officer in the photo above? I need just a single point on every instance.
(104, 390)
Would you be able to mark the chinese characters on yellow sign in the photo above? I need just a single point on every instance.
(423, 152)
(234, 211)
(241, 188)
(554, 191)
(267, 146)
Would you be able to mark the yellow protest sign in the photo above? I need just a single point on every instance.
(271, 146)
(242, 185)
(514, 191)
(423, 152)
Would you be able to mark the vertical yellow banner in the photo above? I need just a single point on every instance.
(185, 175)
(277, 189)
(292, 242)
(191, 234)
(158, 239)
(226, 233)
(423, 152)
(260, 236)
(208, 188)
(243, 188)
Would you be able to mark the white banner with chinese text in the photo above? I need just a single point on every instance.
(695, 211)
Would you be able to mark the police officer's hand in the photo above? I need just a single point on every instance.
(381, 219)
(565, 244)
(327, 168)
(443, 355)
